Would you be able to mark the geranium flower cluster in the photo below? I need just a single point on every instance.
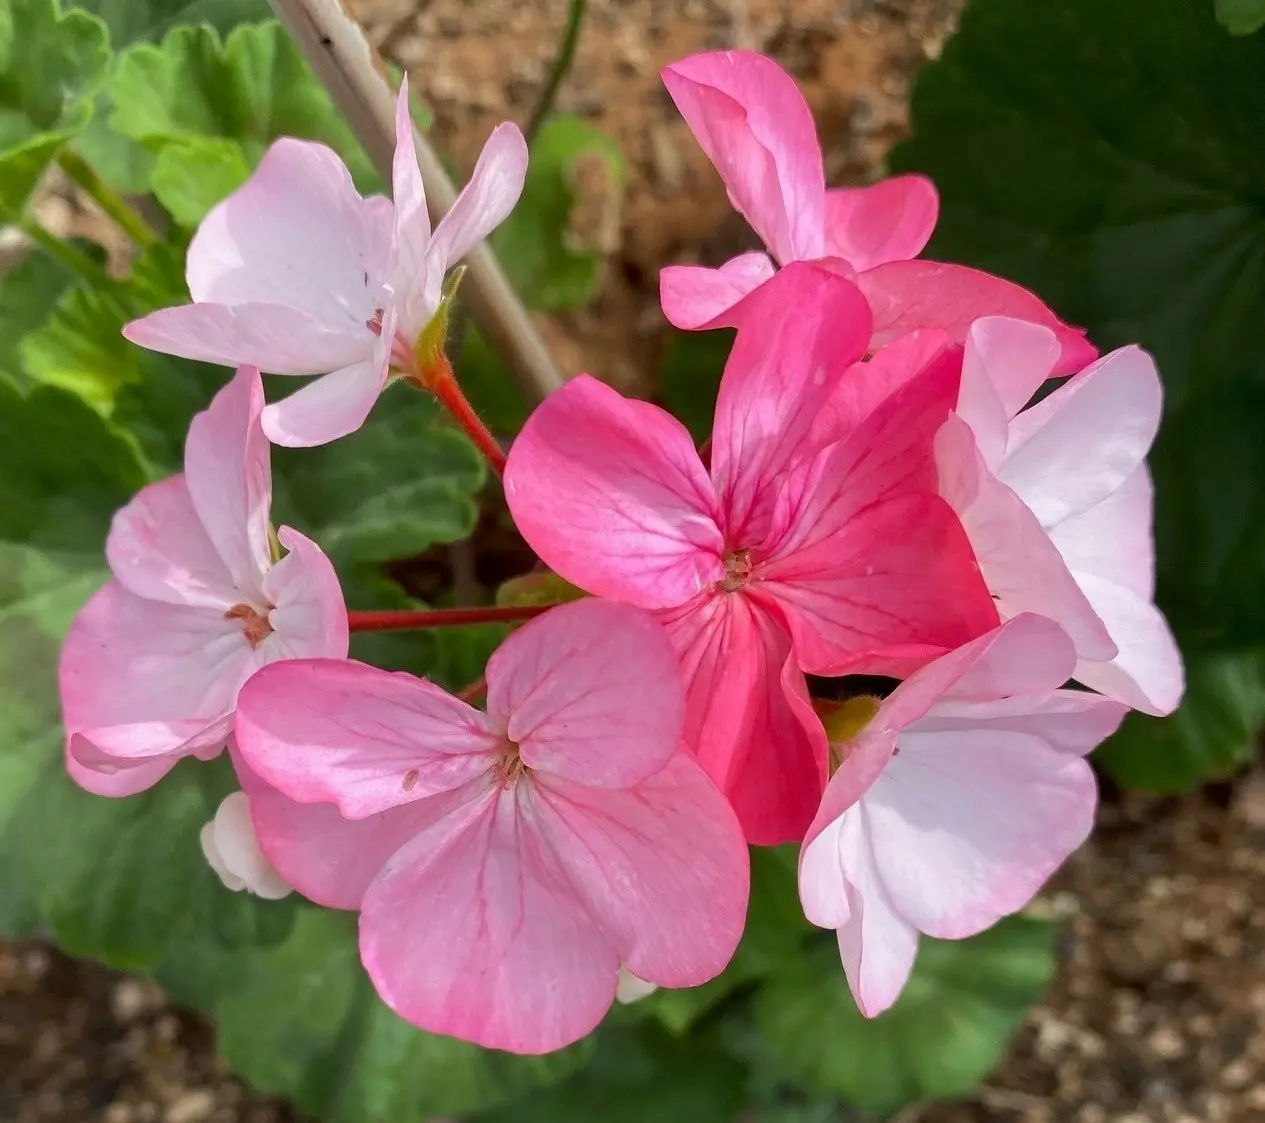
(915, 471)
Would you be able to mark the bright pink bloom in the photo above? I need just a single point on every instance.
(295, 273)
(1056, 500)
(821, 548)
(954, 804)
(748, 115)
(152, 664)
(506, 864)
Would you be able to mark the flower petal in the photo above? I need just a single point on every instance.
(1070, 721)
(338, 731)
(694, 296)
(126, 778)
(1113, 539)
(662, 868)
(590, 692)
(891, 220)
(907, 295)
(474, 930)
(749, 117)
(612, 496)
(297, 233)
(309, 617)
(232, 851)
(410, 238)
(229, 474)
(328, 407)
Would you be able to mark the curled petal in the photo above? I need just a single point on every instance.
(309, 616)
(694, 296)
(232, 851)
(891, 220)
(328, 407)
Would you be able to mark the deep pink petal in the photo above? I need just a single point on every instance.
(662, 868)
(1079, 445)
(749, 117)
(800, 333)
(229, 475)
(891, 220)
(158, 549)
(694, 296)
(328, 407)
(908, 295)
(748, 716)
(612, 496)
(474, 930)
(309, 616)
(297, 233)
(273, 337)
(589, 692)
(342, 732)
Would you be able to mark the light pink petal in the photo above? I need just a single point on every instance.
(1113, 540)
(474, 930)
(780, 372)
(232, 851)
(158, 549)
(749, 720)
(908, 295)
(891, 220)
(1071, 721)
(411, 233)
(612, 496)
(590, 692)
(1004, 364)
(967, 825)
(694, 296)
(229, 475)
(662, 868)
(140, 745)
(270, 336)
(328, 407)
(749, 117)
(1147, 674)
(297, 233)
(125, 779)
(338, 731)
(1074, 448)
(309, 616)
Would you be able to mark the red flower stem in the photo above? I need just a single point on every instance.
(705, 453)
(474, 691)
(443, 384)
(440, 617)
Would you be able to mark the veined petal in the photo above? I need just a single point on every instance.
(748, 115)
(475, 930)
(296, 233)
(891, 220)
(309, 616)
(612, 496)
(662, 868)
(328, 407)
(907, 295)
(694, 296)
(338, 731)
(591, 693)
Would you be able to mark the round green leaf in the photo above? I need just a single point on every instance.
(191, 176)
(1241, 17)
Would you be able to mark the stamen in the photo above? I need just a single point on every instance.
(255, 624)
(375, 324)
(738, 567)
(509, 765)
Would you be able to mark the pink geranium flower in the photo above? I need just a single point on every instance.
(507, 864)
(1056, 499)
(816, 543)
(954, 804)
(295, 273)
(152, 664)
(750, 118)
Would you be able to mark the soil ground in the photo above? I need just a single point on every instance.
(1158, 1013)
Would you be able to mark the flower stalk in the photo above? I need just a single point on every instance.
(404, 620)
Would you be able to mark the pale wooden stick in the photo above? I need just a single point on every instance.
(335, 45)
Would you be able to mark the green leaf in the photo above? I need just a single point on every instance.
(129, 20)
(945, 1033)
(1211, 734)
(51, 64)
(1241, 17)
(689, 377)
(191, 176)
(1131, 196)
(535, 243)
(28, 293)
(251, 88)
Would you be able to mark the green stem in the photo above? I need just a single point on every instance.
(107, 198)
(73, 260)
(561, 65)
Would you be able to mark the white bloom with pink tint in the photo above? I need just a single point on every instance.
(510, 867)
(1057, 501)
(152, 664)
(232, 851)
(953, 805)
(296, 273)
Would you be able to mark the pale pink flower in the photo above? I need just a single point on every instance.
(232, 851)
(809, 546)
(1056, 499)
(295, 273)
(152, 664)
(506, 864)
(748, 115)
(954, 804)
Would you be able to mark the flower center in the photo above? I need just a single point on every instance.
(738, 567)
(844, 722)
(509, 765)
(255, 624)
